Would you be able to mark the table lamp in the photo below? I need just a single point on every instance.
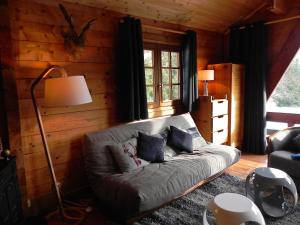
(59, 92)
(205, 76)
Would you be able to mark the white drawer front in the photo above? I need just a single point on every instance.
(220, 137)
(219, 107)
(220, 122)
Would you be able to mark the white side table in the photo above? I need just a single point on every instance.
(233, 209)
(272, 190)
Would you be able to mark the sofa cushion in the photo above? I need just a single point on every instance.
(180, 139)
(282, 160)
(198, 140)
(148, 187)
(125, 154)
(150, 148)
(169, 152)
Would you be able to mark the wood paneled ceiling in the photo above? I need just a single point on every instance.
(213, 15)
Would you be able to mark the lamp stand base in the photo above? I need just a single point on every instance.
(72, 216)
(205, 93)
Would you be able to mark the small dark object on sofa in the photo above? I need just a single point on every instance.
(296, 156)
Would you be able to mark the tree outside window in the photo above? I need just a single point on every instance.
(286, 96)
(162, 74)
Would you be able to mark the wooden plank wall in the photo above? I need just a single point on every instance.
(37, 43)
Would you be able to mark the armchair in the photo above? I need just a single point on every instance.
(280, 148)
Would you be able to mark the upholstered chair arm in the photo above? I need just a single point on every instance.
(282, 140)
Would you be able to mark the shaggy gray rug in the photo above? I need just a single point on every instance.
(188, 209)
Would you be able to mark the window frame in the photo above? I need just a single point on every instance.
(157, 74)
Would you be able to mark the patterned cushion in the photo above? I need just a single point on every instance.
(198, 140)
(150, 148)
(125, 154)
(180, 139)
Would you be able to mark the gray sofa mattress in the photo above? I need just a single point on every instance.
(150, 186)
(146, 188)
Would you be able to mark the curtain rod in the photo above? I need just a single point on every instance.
(164, 29)
(272, 22)
(283, 20)
(242, 27)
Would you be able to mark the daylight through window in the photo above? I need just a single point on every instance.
(286, 96)
(162, 74)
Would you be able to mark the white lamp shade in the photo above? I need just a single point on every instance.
(206, 75)
(66, 91)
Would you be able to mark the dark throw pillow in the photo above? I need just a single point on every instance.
(150, 148)
(296, 141)
(181, 139)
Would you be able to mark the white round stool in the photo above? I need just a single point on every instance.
(272, 190)
(233, 209)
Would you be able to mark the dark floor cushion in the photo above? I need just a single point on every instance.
(150, 148)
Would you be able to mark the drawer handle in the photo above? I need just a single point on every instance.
(219, 131)
(221, 116)
(220, 101)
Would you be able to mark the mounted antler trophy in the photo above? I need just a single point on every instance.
(74, 42)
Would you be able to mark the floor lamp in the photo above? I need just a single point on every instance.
(59, 92)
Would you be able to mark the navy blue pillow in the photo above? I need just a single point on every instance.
(150, 148)
(296, 156)
(181, 139)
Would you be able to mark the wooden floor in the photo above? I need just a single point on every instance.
(247, 163)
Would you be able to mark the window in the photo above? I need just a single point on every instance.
(286, 96)
(283, 106)
(162, 74)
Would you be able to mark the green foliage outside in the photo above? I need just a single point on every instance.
(287, 92)
(167, 93)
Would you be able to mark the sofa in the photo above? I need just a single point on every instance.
(132, 193)
(281, 145)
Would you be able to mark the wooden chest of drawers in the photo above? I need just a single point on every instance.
(10, 198)
(211, 119)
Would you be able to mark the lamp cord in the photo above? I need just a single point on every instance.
(75, 212)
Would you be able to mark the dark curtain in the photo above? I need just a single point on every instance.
(131, 82)
(189, 64)
(248, 46)
(4, 137)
